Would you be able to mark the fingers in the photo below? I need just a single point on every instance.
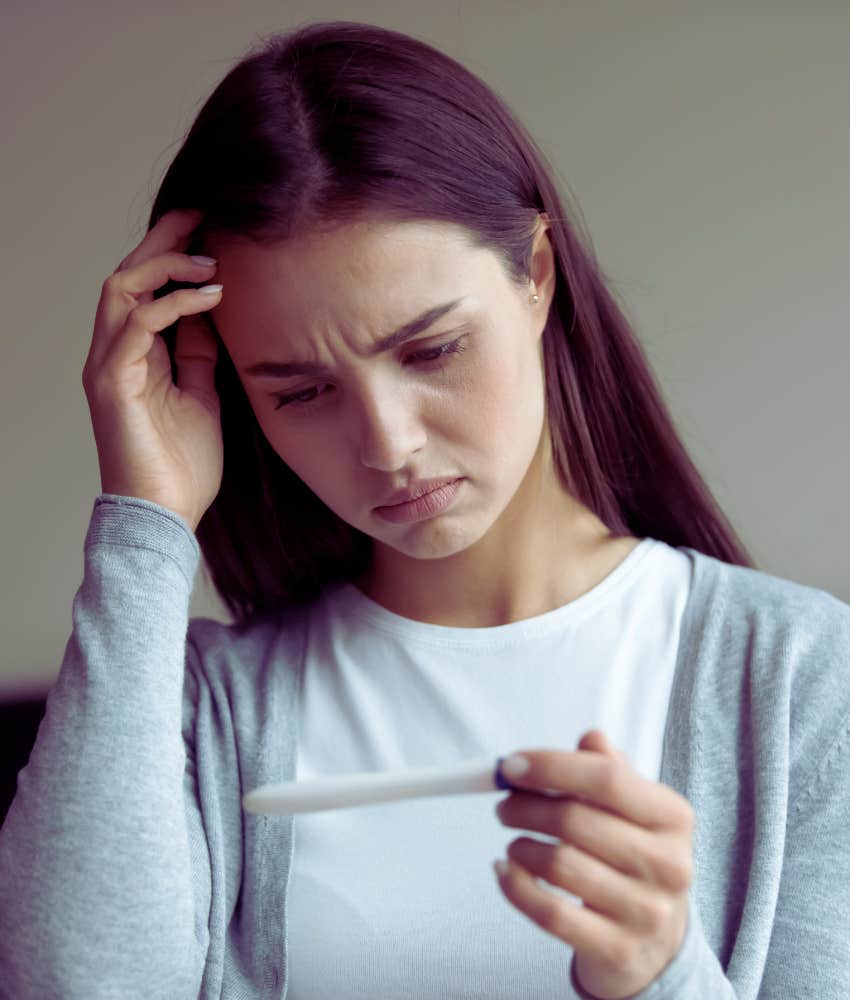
(152, 274)
(579, 926)
(123, 291)
(602, 780)
(171, 231)
(596, 740)
(134, 341)
(128, 316)
(650, 856)
(132, 287)
(607, 890)
(196, 354)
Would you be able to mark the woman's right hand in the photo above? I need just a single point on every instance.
(157, 440)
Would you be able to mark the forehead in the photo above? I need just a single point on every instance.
(357, 248)
(363, 275)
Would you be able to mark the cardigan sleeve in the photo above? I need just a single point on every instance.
(693, 974)
(809, 954)
(809, 951)
(104, 874)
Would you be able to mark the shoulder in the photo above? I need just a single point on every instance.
(740, 599)
(234, 657)
(779, 647)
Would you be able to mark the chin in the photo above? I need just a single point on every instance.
(442, 542)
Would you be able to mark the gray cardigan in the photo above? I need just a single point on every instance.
(128, 867)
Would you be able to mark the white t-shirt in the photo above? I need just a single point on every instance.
(399, 899)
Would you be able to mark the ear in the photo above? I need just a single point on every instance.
(542, 267)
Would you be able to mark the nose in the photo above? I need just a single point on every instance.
(390, 429)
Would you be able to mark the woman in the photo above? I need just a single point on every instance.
(428, 467)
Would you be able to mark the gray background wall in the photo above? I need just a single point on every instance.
(707, 146)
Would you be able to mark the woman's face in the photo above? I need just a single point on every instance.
(462, 398)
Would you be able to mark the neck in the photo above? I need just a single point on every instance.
(545, 550)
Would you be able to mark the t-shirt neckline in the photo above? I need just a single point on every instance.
(352, 602)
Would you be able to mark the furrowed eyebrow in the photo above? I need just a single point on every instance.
(280, 369)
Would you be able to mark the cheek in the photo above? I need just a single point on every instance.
(498, 400)
(487, 410)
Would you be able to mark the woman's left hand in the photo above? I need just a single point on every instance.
(624, 849)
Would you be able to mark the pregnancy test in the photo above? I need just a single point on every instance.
(367, 788)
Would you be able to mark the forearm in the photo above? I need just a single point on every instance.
(95, 867)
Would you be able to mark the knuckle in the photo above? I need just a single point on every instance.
(654, 913)
(678, 872)
(566, 824)
(96, 385)
(611, 778)
(555, 919)
(562, 864)
(517, 849)
(93, 396)
(128, 260)
(644, 868)
(659, 866)
(609, 781)
(115, 287)
(689, 816)
(622, 952)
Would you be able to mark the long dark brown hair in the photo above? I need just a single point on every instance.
(339, 121)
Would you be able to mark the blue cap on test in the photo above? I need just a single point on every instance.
(499, 778)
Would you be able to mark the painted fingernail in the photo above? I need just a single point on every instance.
(516, 765)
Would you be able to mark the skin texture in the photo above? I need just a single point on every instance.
(514, 544)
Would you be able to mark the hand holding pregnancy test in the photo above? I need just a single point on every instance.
(623, 846)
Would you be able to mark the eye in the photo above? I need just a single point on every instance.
(433, 356)
(438, 353)
(293, 398)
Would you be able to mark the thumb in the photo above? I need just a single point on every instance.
(196, 355)
(596, 741)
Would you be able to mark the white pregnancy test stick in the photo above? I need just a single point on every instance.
(479, 775)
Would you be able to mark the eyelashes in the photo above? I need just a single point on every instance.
(437, 357)
(454, 347)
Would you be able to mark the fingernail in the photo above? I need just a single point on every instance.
(516, 765)
(501, 868)
(211, 289)
(200, 259)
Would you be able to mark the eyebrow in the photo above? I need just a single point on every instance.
(280, 369)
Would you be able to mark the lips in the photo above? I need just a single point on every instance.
(416, 490)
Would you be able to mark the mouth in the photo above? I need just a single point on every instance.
(425, 505)
(416, 491)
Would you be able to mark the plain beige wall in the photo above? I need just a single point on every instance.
(707, 145)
